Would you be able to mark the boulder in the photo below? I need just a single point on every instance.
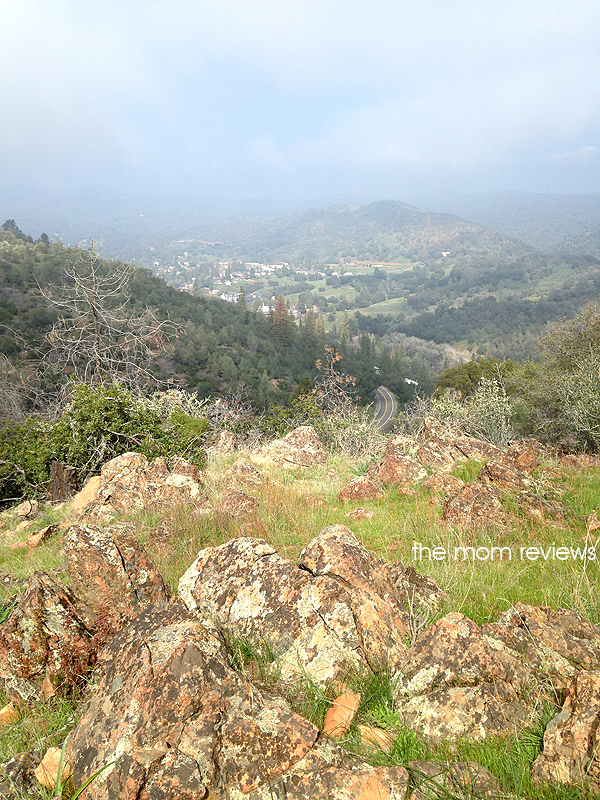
(17, 776)
(474, 505)
(178, 721)
(397, 467)
(47, 633)
(360, 488)
(299, 449)
(224, 443)
(111, 572)
(571, 738)
(237, 504)
(457, 683)
(524, 456)
(360, 513)
(341, 608)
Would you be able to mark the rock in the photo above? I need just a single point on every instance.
(459, 780)
(236, 504)
(17, 775)
(18, 546)
(224, 443)
(244, 473)
(312, 502)
(397, 467)
(376, 737)
(128, 483)
(299, 449)
(440, 484)
(24, 525)
(178, 721)
(47, 632)
(186, 468)
(47, 772)
(556, 644)
(592, 523)
(339, 717)
(34, 539)
(111, 573)
(474, 505)
(571, 738)
(360, 513)
(341, 608)
(361, 488)
(87, 495)
(524, 456)
(457, 683)
(476, 449)
(9, 714)
(334, 475)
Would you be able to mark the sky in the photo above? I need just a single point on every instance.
(302, 98)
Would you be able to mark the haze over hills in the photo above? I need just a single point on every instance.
(566, 223)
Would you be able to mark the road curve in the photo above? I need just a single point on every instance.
(386, 408)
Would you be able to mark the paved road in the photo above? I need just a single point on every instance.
(386, 408)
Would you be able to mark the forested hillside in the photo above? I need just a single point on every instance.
(212, 346)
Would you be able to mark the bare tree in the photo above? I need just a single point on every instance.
(98, 338)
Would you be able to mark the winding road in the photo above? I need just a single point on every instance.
(386, 408)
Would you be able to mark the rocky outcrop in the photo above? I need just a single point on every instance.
(342, 608)
(111, 572)
(178, 721)
(299, 449)
(128, 483)
(360, 488)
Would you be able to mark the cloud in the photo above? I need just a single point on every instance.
(586, 153)
(231, 96)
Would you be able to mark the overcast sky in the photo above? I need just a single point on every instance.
(301, 98)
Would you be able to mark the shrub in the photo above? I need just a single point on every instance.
(104, 422)
(26, 456)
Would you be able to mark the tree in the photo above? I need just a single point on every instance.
(281, 322)
(98, 338)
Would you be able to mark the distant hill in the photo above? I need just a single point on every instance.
(549, 222)
(384, 231)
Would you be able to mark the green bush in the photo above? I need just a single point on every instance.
(25, 456)
(103, 422)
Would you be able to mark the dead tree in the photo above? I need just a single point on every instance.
(98, 338)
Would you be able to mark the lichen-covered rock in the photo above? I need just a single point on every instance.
(474, 505)
(47, 633)
(299, 449)
(341, 608)
(360, 488)
(111, 572)
(441, 485)
(225, 442)
(360, 513)
(556, 644)
(505, 478)
(128, 483)
(457, 682)
(177, 721)
(397, 467)
(237, 504)
(17, 775)
(438, 453)
(571, 738)
(524, 455)
(244, 473)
